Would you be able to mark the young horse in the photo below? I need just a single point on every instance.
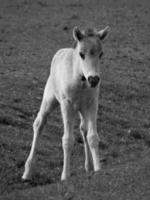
(73, 83)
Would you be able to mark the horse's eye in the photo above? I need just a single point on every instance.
(82, 55)
(100, 55)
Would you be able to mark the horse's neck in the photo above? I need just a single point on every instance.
(76, 64)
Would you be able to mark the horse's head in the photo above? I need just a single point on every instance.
(89, 49)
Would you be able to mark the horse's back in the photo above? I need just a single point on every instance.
(61, 72)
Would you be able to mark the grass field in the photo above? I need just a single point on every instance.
(30, 33)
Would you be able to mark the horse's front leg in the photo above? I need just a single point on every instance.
(88, 157)
(68, 137)
(93, 138)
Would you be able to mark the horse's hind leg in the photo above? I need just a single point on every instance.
(49, 102)
(88, 157)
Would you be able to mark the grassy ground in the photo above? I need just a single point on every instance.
(30, 33)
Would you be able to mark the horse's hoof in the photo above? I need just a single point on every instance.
(25, 177)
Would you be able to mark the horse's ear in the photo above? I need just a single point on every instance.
(77, 34)
(103, 33)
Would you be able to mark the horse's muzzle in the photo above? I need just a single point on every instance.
(93, 80)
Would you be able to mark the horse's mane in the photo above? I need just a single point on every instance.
(89, 32)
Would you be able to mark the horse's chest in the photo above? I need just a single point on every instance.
(81, 98)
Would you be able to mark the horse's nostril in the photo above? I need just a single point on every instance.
(93, 80)
(96, 79)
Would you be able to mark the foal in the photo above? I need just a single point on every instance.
(73, 83)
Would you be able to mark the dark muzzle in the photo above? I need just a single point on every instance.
(93, 80)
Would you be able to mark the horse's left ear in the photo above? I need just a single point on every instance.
(103, 33)
(77, 34)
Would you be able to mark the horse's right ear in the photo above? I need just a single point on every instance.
(103, 33)
(77, 34)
